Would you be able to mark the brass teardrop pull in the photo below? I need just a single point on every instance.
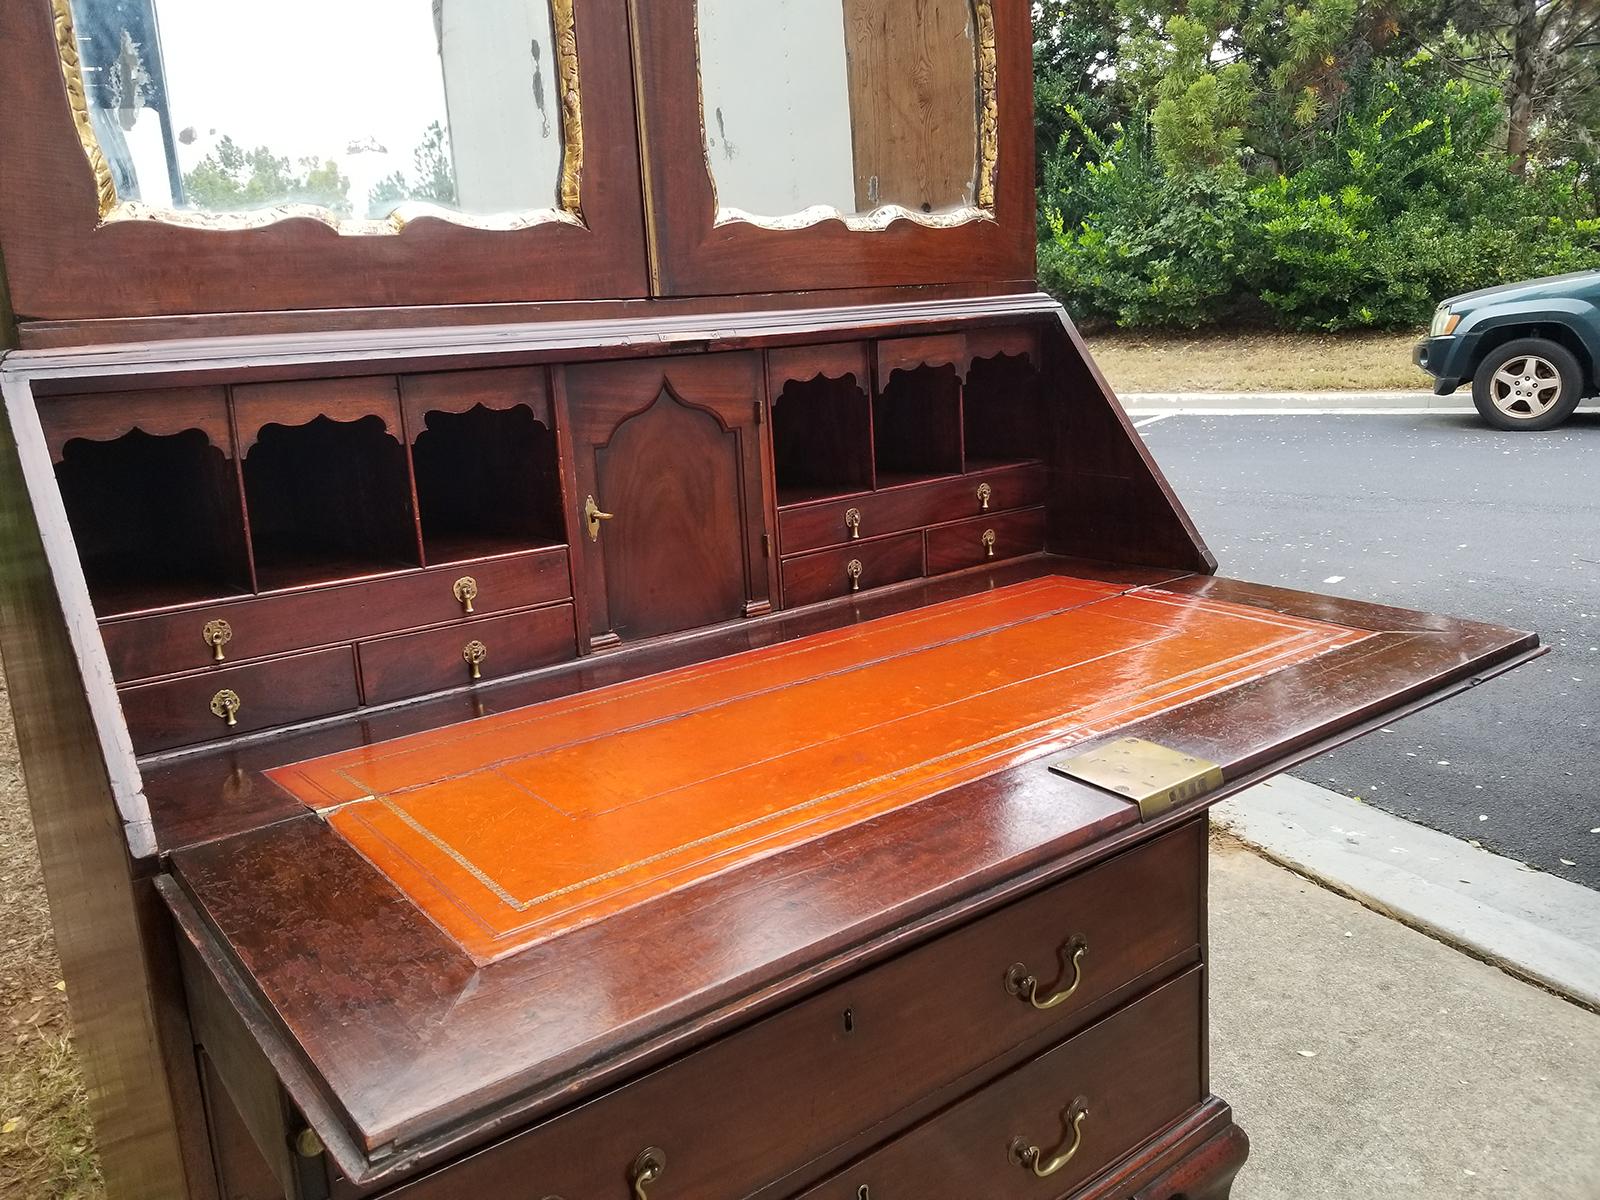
(217, 634)
(226, 704)
(852, 521)
(989, 539)
(473, 654)
(646, 1169)
(465, 592)
(985, 494)
(853, 569)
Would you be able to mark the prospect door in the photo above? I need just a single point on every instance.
(668, 493)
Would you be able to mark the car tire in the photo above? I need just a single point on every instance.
(1530, 384)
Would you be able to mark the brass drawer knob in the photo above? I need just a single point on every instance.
(1024, 984)
(985, 494)
(226, 704)
(989, 539)
(852, 522)
(853, 570)
(473, 654)
(466, 591)
(217, 634)
(646, 1169)
(1031, 1157)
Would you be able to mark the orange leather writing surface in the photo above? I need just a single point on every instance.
(511, 828)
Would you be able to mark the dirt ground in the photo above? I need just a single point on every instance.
(46, 1142)
(1258, 362)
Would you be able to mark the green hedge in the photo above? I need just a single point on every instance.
(1405, 201)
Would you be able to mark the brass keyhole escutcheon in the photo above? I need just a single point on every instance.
(473, 654)
(985, 494)
(989, 540)
(593, 515)
(466, 591)
(853, 569)
(646, 1169)
(226, 704)
(217, 634)
(852, 521)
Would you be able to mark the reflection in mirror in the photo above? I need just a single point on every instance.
(868, 109)
(371, 110)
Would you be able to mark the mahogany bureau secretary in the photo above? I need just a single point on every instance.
(580, 631)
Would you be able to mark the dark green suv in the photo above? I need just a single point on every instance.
(1531, 350)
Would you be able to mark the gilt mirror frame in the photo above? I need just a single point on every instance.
(702, 247)
(74, 252)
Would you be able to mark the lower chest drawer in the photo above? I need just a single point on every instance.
(414, 664)
(768, 1103)
(857, 567)
(973, 543)
(1050, 1126)
(235, 700)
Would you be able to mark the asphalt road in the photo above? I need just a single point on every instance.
(1437, 513)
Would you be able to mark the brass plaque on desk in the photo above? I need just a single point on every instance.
(1153, 776)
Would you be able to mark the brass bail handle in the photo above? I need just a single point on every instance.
(1024, 984)
(593, 515)
(217, 634)
(1031, 1158)
(646, 1169)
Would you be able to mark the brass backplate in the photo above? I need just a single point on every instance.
(1153, 776)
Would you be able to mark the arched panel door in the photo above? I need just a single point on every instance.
(669, 494)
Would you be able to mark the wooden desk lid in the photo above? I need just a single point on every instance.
(749, 829)
(517, 827)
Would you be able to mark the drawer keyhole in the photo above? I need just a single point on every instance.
(849, 1020)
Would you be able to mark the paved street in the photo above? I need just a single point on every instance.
(1433, 512)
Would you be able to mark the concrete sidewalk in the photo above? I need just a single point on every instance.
(1368, 1061)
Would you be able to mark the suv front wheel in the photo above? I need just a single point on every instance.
(1529, 384)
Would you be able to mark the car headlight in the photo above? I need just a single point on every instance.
(1444, 321)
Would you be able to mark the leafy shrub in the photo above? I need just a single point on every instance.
(1405, 200)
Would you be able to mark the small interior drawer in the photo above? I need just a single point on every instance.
(909, 506)
(761, 1104)
(414, 664)
(144, 647)
(1130, 1075)
(973, 543)
(870, 563)
(182, 712)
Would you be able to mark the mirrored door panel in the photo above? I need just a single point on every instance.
(191, 156)
(837, 143)
(362, 112)
(863, 110)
